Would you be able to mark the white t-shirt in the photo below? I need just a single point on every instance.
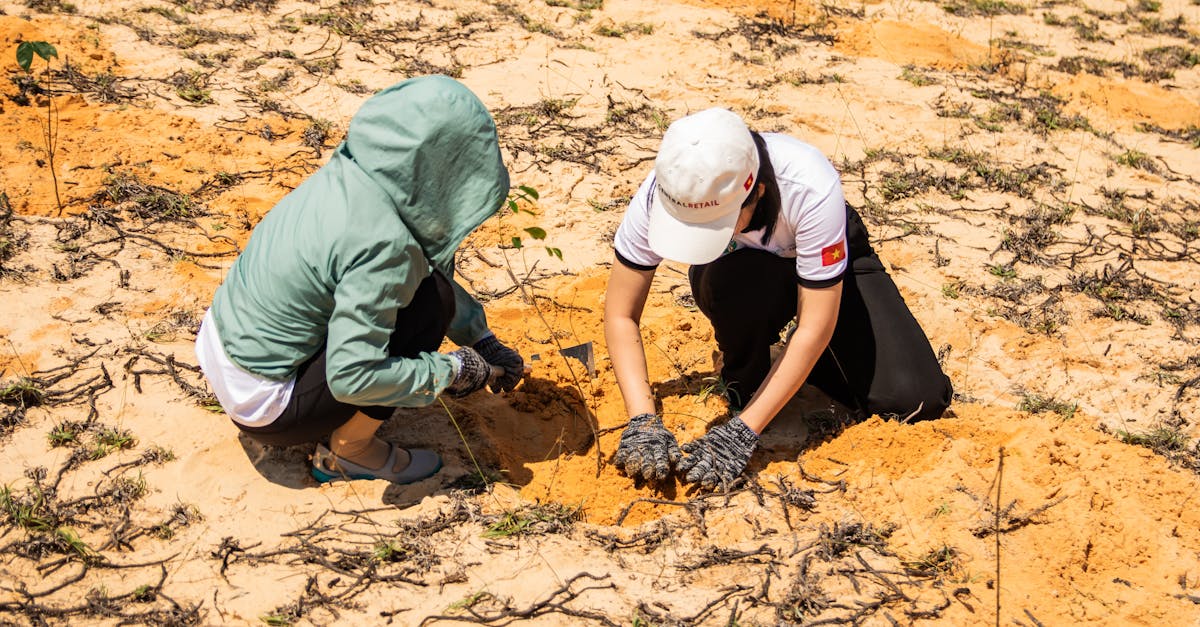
(249, 399)
(811, 227)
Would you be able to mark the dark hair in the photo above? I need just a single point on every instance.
(767, 210)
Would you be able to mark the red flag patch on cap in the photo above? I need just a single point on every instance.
(833, 254)
(749, 182)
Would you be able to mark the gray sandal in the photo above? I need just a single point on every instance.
(423, 463)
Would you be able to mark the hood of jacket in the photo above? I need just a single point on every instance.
(431, 146)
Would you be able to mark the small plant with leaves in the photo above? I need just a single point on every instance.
(517, 202)
(26, 50)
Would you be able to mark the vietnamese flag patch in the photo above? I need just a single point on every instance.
(833, 254)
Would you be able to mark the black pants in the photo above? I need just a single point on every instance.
(313, 413)
(878, 359)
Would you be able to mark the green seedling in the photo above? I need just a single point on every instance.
(1003, 271)
(25, 53)
(389, 551)
(116, 438)
(63, 434)
(74, 544)
(517, 202)
(143, 593)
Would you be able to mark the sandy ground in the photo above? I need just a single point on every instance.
(1031, 177)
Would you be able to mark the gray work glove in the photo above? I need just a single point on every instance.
(473, 372)
(717, 458)
(647, 449)
(500, 355)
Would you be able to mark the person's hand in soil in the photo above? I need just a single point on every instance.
(647, 450)
(719, 457)
(473, 372)
(498, 354)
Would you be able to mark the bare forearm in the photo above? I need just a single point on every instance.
(786, 376)
(816, 317)
(629, 363)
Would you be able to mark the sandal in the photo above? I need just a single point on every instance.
(423, 463)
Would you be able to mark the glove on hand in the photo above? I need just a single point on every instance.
(717, 458)
(647, 449)
(473, 372)
(500, 355)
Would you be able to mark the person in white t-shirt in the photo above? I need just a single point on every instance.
(762, 221)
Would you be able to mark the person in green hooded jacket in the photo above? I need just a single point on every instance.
(332, 315)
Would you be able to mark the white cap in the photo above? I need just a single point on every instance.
(706, 167)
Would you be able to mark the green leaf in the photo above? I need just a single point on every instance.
(536, 232)
(512, 206)
(44, 50)
(26, 50)
(529, 191)
(517, 242)
(24, 55)
(554, 252)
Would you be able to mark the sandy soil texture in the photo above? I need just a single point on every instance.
(1030, 173)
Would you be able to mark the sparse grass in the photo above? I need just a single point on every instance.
(982, 171)
(118, 439)
(533, 520)
(23, 392)
(29, 511)
(625, 28)
(1038, 404)
(316, 133)
(64, 434)
(469, 601)
(341, 21)
(714, 386)
(524, 21)
(150, 201)
(1172, 57)
(192, 87)
(73, 544)
(1137, 160)
(986, 8)
(1004, 271)
(182, 515)
(192, 36)
(937, 562)
(1167, 441)
(1174, 27)
(1190, 135)
(917, 76)
(836, 541)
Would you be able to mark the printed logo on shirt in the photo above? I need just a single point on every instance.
(833, 254)
(749, 182)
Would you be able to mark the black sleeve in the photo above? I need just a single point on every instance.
(818, 284)
(629, 264)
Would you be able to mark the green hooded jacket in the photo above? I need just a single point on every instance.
(331, 263)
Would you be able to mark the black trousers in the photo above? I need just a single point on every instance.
(878, 359)
(313, 413)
